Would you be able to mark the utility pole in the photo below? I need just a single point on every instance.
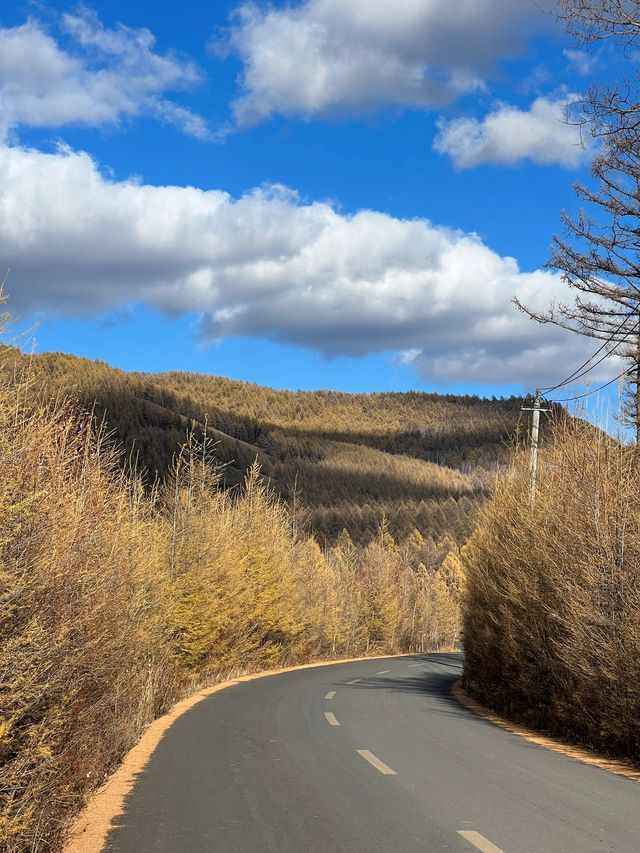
(535, 437)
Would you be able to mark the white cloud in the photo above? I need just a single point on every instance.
(102, 76)
(408, 356)
(580, 62)
(353, 55)
(268, 265)
(508, 135)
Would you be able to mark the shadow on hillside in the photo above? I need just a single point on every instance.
(450, 443)
(154, 432)
(432, 444)
(328, 484)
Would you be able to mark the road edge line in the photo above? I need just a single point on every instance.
(89, 830)
(585, 756)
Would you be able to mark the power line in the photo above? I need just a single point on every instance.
(577, 374)
(595, 390)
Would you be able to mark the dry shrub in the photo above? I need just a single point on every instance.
(552, 613)
(248, 593)
(235, 591)
(389, 600)
(84, 667)
(115, 601)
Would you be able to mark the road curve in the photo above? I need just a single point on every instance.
(365, 757)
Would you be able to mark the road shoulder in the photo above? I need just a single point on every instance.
(586, 756)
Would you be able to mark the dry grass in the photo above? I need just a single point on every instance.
(552, 614)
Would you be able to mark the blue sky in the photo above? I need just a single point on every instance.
(369, 188)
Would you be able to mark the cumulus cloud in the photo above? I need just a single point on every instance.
(354, 55)
(269, 265)
(509, 135)
(103, 76)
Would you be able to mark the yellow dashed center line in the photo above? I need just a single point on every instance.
(330, 694)
(479, 841)
(330, 718)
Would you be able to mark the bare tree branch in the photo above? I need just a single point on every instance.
(599, 255)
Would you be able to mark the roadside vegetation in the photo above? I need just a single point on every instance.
(552, 613)
(118, 595)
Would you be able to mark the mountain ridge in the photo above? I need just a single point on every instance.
(409, 458)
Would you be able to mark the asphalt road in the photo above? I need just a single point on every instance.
(365, 757)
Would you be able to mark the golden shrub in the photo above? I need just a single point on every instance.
(552, 611)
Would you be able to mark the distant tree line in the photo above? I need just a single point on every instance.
(421, 461)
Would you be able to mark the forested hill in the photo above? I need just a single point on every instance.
(422, 461)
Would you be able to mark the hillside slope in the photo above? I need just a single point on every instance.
(422, 461)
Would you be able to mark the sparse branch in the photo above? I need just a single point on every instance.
(599, 255)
